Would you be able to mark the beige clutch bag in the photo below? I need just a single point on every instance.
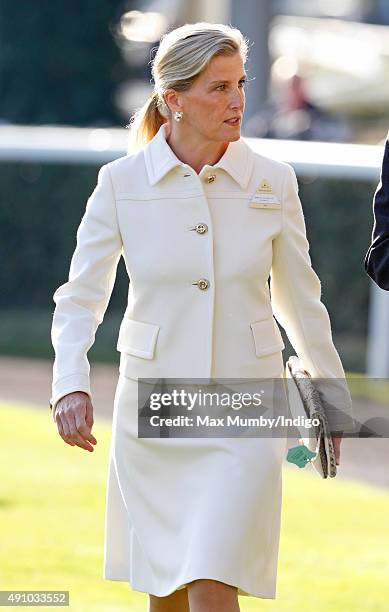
(305, 402)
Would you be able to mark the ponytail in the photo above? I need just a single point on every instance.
(145, 123)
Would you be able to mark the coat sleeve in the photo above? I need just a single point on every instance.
(81, 302)
(296, 303)
(377, 256)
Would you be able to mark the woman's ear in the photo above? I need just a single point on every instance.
(172, 100)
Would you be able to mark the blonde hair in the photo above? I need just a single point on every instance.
(182, 55)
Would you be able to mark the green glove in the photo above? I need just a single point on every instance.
(300, 455)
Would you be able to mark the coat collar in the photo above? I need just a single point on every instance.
(237, 160)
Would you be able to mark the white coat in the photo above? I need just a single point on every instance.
(175, 228)
(198, 251)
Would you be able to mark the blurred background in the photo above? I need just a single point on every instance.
(71, 75)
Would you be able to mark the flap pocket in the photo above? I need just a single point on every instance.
(137, 338)
(267, 337)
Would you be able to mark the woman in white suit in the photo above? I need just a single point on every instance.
(201, 221)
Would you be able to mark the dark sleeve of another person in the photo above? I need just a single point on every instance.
(377, 256)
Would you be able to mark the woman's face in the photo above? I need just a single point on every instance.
(216, 97)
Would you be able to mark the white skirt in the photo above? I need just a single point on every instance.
(181, 509)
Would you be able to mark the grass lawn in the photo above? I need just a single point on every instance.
(334, 538)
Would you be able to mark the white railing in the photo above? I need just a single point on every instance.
(94, 145)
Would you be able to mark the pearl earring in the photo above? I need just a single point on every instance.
(178, 115)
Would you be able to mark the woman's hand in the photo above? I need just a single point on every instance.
(74, 417)
(336, 437)
(336, 441)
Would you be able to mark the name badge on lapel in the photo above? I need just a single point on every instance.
(264, 197)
